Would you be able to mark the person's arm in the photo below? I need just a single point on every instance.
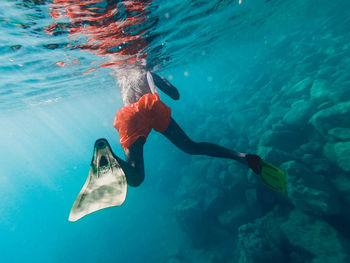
(165, 86)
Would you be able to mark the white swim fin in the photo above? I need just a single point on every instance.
(105, 186)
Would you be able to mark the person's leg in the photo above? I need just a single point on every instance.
(133, 167)
(178, 137)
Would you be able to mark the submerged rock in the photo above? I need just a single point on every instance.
(276, 113)
(243, 211)
(308, 191)
(261, 241)
(338, 153)
(330, 118)
(314, 147)
(273, 155)
(321, 90)
(255, 246)
(317, 165)
(192, 220)
(299, 89)
(234, 217)
(299, 113)
(340, 133)
(342, 91)
(284, 140)
(341, 183)
(315, 236)
(196, 214)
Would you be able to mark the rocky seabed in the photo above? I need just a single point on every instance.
(295, 113)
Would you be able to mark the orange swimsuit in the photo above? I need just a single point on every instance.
(138, 119)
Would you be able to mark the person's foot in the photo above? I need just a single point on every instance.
(253, 162)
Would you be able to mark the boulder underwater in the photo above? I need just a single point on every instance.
(315, 236)
(308, 191)
(299, 113)
(285, 140)
(261, 240)
(196, 214)
(290, 236)
(342, 134)
(336, 116)
(255, 246)
(339, 154)
(273, 155)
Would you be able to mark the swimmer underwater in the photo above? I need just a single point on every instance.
(143, 111)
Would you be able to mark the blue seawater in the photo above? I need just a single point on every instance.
(268, 77)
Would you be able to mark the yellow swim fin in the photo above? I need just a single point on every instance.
(273, 177)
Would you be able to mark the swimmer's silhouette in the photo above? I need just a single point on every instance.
(143, 110)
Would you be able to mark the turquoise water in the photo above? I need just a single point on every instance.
(267, 77)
